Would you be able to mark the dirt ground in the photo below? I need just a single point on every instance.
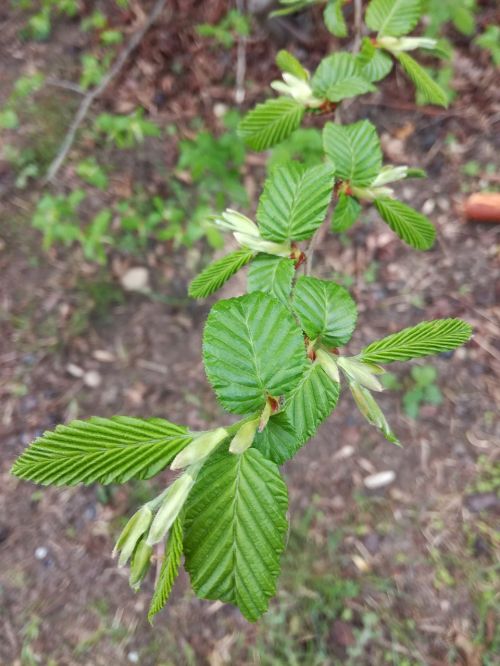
(406, 574)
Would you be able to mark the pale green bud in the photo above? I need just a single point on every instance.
(201, 447)
(244, 437)
(231, 220)
(260, 245)
(297, 89)
(131, 533)
(372, 193)
(399, 44)
(172, 504)
(140, 564)
(371, 411)
(361, 372)
(327, 362)
(390, 174)
(265, 416)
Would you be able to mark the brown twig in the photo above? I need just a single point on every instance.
(89, 98)
(241, 61)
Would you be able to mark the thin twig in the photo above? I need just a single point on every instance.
(66, 85)
(319, 234)
(89, 98)
(358, 25)
(241, 60)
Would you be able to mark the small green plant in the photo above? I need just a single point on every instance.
(490, 40)
(58, 219)
(460, 13)
(126, 131)
(275, 356)
(92, 173)
(226, 31)
(424, 390)
(418, 389)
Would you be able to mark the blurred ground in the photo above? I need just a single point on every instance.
(404, 574)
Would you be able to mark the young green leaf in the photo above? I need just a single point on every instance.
(235, 531)
(430, 91)
(169, 569)
(289, 63)
(273, 275)
(295, 201)
(215, 275)
(375, 64)
(429, 337)
(346, 213)
(102, 450)
(325, 310)
(278, 441)
(370, 409)
(411, 226)
(312, 401)
(252, 348)
(271, 122)
(354, 150)
(334, 18)
(393, 17)
(338, 77)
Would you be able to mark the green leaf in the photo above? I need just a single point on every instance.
(273, 275)
(169, 569)
(346, 213)
(334, 18)
(289, 63)
(393, 17)
(354, 150)
(338, 77)
(429, 90)
(235, 531)
(278, 441)
(429, 337)
(215, 275)
(370, 409)
(312, 401)
(252, 348)
(102, 450)
(295, 201)
(411, 226)
(271, 122)
(375, 64)
(325, 310)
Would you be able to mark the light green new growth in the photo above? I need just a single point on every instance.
(273, 356)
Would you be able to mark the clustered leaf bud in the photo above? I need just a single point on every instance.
(329, 365)
(136, 527)
(361, 372)
(172, 504)
(201, 447)
(297, 89)
(141, 562)
(244, 437)
(371, 411)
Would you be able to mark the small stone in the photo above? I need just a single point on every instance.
(74, 370)
(92, 379)
(136, 279)
(220, 110)
(103, 356)
(379, 480)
